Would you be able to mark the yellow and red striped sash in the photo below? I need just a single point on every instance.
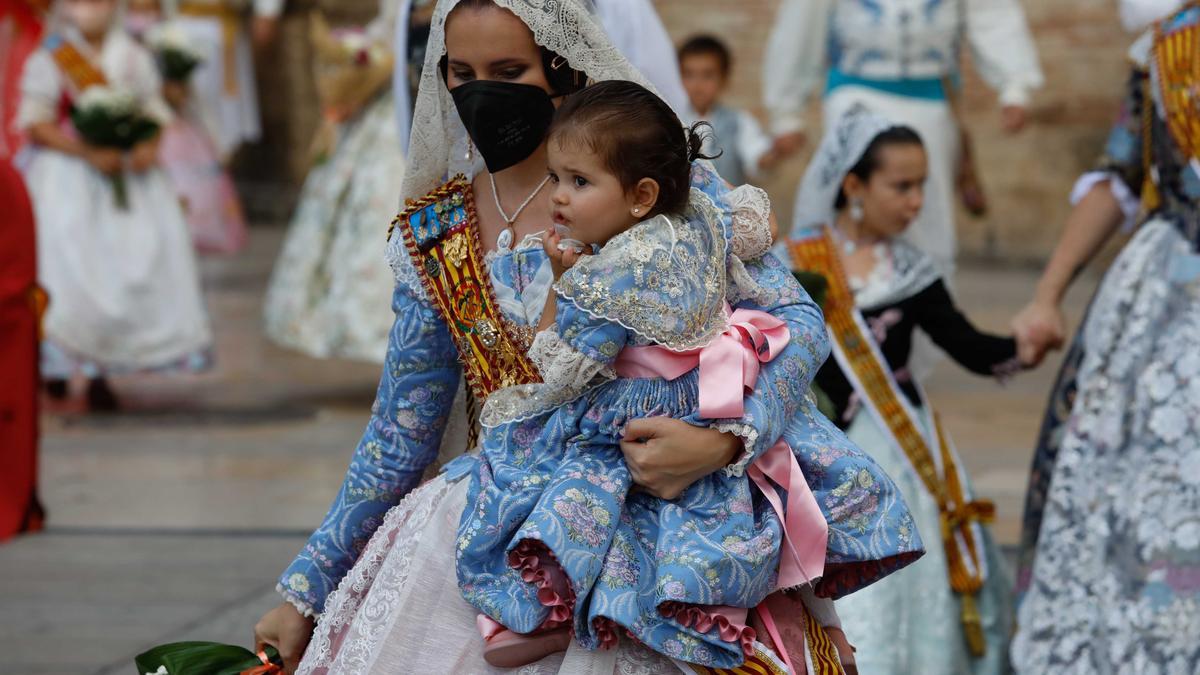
(441, 233)
(859, 356)
(821, 648)
(73, 64)
(1177, 57)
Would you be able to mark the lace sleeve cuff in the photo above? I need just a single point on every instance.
(562, 366)
(303, 607)
(751, 211)
(749, 436)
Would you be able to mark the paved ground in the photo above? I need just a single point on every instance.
(171, 521)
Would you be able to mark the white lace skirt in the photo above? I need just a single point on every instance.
(910, 621)
(399, 609)
(331, 289)
(1116, 577)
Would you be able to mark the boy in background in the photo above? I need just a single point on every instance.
(746, 150)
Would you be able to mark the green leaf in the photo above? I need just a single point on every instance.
(815, 284)
(200, 658)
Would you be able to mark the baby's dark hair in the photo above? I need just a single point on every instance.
(869, 164)
(637, 135)
(708, 45)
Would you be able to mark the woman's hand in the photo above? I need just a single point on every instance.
(143, 157)
(1038, 328)
(666, 455)
(288, 631)
(1013, 118)
(107, 161)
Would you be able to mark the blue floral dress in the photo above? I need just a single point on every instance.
(870, 530)
(551, 478)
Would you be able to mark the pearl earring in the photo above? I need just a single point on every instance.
(856, 210)
(637, 211)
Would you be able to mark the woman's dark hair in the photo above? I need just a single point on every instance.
(562, 77)
(869, 164)
(710, 46)
(637, 136)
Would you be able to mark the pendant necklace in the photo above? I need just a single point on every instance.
(505, 240)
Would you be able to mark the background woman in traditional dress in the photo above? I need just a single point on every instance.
(225, 87)
(123, 277)
(397, 607)
(899, 58)
(329, 290)
(1111, 545)
(862, 189)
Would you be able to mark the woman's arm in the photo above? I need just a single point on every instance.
(1002, 49)
(978, 352)
(794, 65)
(666, 455)
(420, 380)
(1096, 216)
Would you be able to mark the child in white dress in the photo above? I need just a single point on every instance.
(123, 286)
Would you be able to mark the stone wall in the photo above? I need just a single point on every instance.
(1027, 177)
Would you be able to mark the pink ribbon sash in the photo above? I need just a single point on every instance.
(751, 338)
(805, 530)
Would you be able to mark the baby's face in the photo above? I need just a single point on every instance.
(585, 196)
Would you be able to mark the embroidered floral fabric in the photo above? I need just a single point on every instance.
(558, 482)
(421, 375)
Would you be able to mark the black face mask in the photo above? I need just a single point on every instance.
(506, 121)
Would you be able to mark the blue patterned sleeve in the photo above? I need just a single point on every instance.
(783, 383)
(419, 382)
(598, 339)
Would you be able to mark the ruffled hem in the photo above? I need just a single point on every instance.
(692, 616)
(608, 632)
(531, 558)
(290, 598)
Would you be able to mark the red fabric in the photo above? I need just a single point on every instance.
(20, 33)
(19, 510)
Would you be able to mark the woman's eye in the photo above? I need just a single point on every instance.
(510, 73)
(580, 181)
(463, 75)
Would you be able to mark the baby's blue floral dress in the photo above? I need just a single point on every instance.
(551, 477)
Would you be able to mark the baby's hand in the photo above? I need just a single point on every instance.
(563, 255)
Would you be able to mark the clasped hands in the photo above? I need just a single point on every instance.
(1038, 328)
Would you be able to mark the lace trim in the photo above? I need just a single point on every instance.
(562, 366)
(290, 598)
(663, 280)
(344, 604)
(749, 436)
(396, 254)
(751, 208)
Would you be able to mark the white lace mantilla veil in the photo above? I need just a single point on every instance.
(840, 149)
(438, 144)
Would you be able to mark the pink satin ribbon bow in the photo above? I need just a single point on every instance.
(751, 338)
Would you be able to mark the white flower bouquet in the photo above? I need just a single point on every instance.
(176, 55)
(108, 117)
